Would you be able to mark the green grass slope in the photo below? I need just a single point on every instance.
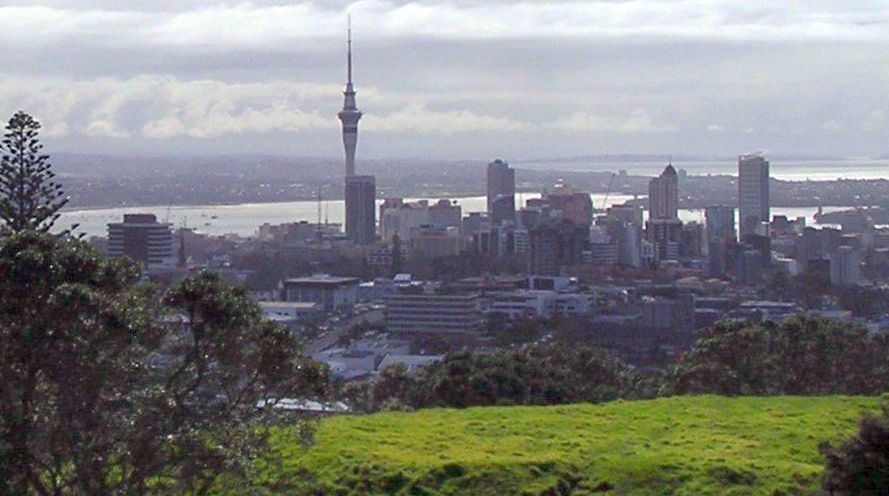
(684, 446)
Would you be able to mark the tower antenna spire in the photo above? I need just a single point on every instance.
(349, 51)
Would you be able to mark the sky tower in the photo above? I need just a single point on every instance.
(350, 115)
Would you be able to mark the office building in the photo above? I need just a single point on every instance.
(329, 292)
(434, 242)
(720, 221)
(845, 266)
(433, 313)
(142, 238)
(554, 245)
(361, 194)
(501, 191)
(663, 195)
(631, 214)
(566, 202)
(398, 218)
(753, 193)
(665, 236)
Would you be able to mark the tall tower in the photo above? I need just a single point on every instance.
(663, 195)
(753, 192)
(350, 115)
(501, 191)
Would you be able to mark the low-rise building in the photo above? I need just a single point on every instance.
(331, 293)
(433, 312)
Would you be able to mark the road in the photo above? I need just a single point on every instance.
(374, 317)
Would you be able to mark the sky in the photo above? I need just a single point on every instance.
(458, 79)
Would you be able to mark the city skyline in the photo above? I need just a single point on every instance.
(453, 80)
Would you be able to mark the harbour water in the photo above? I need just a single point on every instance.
(245, 219)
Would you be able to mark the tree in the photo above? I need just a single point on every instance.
(799, 356)
(109, 387)
(29, 198)
(860, 466)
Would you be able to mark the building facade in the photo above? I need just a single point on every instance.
(753, 193)
(663, 195)
(433, 313)
(501, 189)
(142, 238)
(361, 192)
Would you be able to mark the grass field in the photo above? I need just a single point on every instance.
(705, 445)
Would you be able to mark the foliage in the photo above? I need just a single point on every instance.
(703, 445)
(29, 198)
(530, 375)
(861, 464)
(108, 387)
(798, 356)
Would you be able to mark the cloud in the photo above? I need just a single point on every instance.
(637, 122)
(874, 121)
(831, 125)
(163, 107)
(416, 118)
(715, 129)
(215, 25)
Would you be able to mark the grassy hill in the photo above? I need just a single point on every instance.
(686, 445)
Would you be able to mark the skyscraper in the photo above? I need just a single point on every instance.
(720, 223)
(501, 190)
(361, 192)
(753, 192)
(142, 238)
(349, 115)
(663, 195)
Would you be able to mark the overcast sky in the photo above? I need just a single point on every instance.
(452, 79)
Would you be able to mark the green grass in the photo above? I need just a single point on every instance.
(704, 445)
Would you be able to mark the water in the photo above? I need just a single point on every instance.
(245, 219)
(786, 170)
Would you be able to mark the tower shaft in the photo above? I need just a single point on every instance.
(349, 115)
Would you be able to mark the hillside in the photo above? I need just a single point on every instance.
(685, 445)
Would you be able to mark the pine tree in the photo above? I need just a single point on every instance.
(29, 198)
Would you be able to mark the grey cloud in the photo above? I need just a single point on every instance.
(453, 79)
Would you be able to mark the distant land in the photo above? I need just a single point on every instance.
(95, 181)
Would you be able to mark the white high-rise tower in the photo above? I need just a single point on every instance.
(350, 115)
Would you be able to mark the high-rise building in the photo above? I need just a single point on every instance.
(349, 115)
(721, 237)
(753, 192)
(501, 190)
(566, 202)
(142, 238)
(400, 217)
(665, 235)
(361, 209)
(845, 266)
(555, 245)
(663, 195)
(720, 223)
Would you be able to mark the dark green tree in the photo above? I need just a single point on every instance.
(29, 198)
(799, 356)
(860, 466)
(108, 387)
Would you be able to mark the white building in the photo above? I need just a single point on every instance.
(522, 303)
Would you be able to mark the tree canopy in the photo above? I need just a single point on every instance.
(112, 387)
(29, 198)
